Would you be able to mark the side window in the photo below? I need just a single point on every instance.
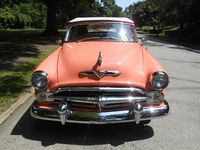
(82, 30)
(135, 36)
(72, 34)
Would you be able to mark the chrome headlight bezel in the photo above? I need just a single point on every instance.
(160, 80)
(39, 80)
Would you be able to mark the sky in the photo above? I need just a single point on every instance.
(125, 3)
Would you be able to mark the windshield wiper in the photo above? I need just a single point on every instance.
(114, 38)
(91, 38)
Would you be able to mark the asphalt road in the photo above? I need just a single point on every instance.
(178, 131)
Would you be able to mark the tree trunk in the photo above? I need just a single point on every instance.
(158, 29)
(159, 19)
(51, 28)
(180, 31)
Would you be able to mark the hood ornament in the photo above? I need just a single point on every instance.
(100, 73)
(100, 59)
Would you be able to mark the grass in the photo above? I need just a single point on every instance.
(19, 38)
(16, 80)
(17, 43)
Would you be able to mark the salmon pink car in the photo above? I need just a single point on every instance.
(100, 74)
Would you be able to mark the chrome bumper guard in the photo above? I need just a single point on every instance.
(139, 113)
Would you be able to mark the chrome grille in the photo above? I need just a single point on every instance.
(101, 97)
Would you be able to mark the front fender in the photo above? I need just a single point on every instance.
(49, 65)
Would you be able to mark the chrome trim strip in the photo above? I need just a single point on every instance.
(101, 89)
(112, 73)
(101, 117)
(115, 99)
(92, 100)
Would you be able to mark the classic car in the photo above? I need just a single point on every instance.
(100, 74)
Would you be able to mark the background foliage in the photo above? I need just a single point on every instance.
(33, 13)
(28, 14)
(52, 15)
(175, 13)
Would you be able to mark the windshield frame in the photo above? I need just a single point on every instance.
(131, 27)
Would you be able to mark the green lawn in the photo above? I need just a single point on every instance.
(14, 38)
(16, 80)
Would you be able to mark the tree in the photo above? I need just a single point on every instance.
(69, 9)
(21, 15)
(116, 11)
(52, 14)
(7, 18)
(51, 27)
(139, 12)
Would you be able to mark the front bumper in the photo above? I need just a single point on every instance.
(137, 114)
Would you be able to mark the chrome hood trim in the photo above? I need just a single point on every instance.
(100, 59)
(100, 73)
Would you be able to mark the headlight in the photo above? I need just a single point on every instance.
(160, 80)
(39, 80)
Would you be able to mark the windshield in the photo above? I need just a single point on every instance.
(102, 32)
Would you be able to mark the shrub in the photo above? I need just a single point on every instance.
(7, 18)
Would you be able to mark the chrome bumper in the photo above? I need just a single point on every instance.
(136, 115)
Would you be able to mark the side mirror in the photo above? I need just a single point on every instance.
(143, 41)
(61, 41)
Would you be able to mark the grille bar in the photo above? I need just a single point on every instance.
(99, 99)
(78, 99)
(101, 89)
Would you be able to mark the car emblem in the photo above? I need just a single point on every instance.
(101, 73)
(100, 59)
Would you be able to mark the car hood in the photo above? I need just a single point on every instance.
(127, 58)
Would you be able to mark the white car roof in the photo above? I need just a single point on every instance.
(82, 19)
